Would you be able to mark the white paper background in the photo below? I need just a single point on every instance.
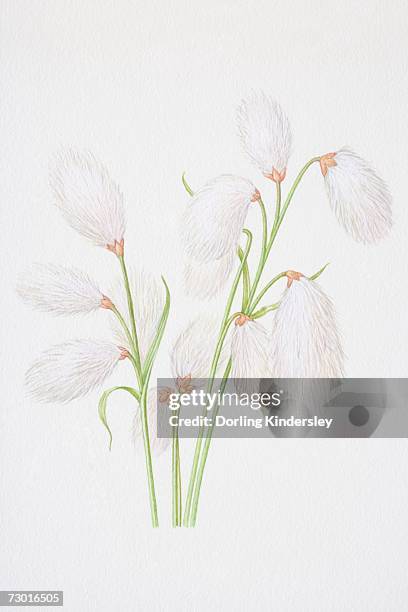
(151, 88)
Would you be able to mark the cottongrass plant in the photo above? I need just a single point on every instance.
(92, 204)
(303, 340)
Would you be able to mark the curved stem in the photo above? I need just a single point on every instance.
(226, 321)
(246, 282)
(123, 325)
(265, 289)
(264, 311)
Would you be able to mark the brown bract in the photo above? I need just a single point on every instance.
(327, 161)
(117, 247)
(293, 275)
(275, 175)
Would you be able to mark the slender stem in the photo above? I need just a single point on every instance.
(263, 252)
(278, 203)
(123, 324)
(148, 457)
(265, 289)
(264, 225)
(266, 248)
(132, 317)
(226, 321)
(263, 311)
(174, 478)
(294, 187)
(207, 443)
(246, 282)
(179, 500)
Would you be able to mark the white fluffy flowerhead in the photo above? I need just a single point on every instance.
(157, 445)
(249, 353)
(148, 300)
(265, 133)
(358, 196)
(211, 230)
(305, 341)
(59, 290)
(71, 370)
(215, 217)
(194, 348)
(90, 201)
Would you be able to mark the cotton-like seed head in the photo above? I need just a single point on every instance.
(205, 280)
(250, 347)
(265, 133)
(154, 403)
(90, 201)
(71, 370)
(194, 348)
(215, 217)
(148, 301)
(59, 290)
(305, 341)
(358, 196)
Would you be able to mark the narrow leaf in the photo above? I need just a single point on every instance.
(103, 405)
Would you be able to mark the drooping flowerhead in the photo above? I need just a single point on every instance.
(211, 229)
(215, 216)
(265, 133)
(90, 201)
(358, 196)
(148, 299)
(72, 369)
(250, 347)
(60, 290)
(305, 342)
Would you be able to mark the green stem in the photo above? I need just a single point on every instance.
(148, 457)
(279, 216)
(132, 319)
(264, 290)
(174, 478)
(180, 509)
(226, 321)
(207, 443)
(246, 282)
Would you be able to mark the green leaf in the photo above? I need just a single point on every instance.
(103, 405)
(246, 283)
(186, 185)
(154, 347)
(264, 310)
(317, 274)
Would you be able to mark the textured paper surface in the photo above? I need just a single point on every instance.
(151, 88)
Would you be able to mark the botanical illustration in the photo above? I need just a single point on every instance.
(299, 340)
